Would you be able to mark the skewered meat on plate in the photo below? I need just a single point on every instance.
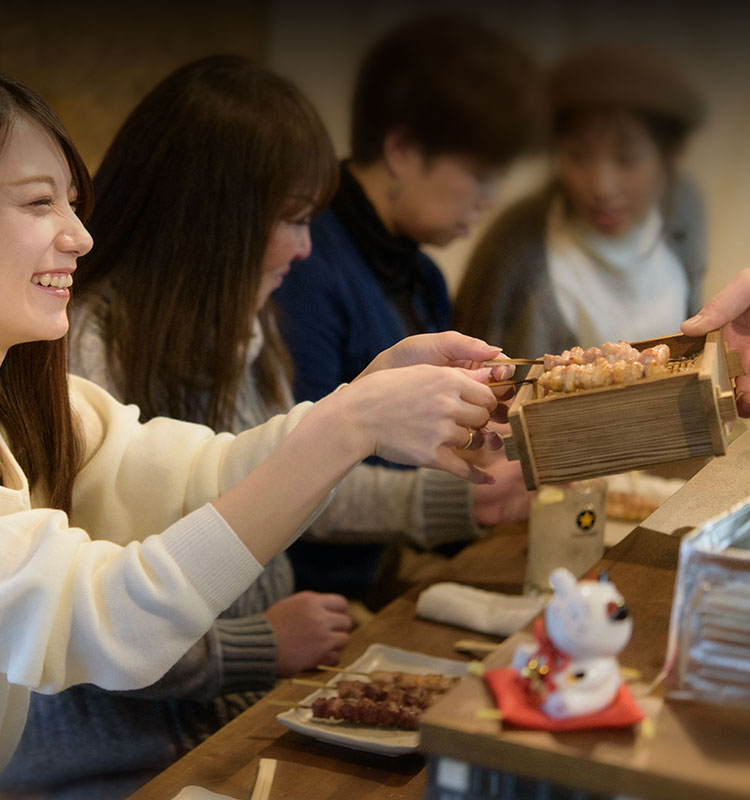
(388, 699)
(367, 712)
(609, 364)
(427, 680)
(419, 697)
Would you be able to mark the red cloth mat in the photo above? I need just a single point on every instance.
(511, 697)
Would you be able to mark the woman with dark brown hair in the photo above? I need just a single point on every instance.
(188, 194)
(613, 248)
(210, 509)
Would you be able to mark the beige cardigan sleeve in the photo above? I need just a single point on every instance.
(75, 610)
(119, 611)
(137, 479)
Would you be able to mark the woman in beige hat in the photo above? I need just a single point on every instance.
(613, 248)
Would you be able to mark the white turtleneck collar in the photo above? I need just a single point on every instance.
(608, 288)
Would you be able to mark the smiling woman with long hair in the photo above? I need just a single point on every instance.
(210, 509)
(202, 201)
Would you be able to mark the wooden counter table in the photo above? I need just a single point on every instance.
(228, 761)
(695, 755)
(686, 752)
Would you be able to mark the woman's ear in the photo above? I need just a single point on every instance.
(401, 154)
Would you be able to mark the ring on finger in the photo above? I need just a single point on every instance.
(471, 439)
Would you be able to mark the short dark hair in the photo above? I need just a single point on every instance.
(454, 85)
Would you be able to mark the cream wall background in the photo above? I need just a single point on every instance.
(94, 61)
(318, 44)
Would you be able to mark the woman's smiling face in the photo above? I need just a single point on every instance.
(40, 236)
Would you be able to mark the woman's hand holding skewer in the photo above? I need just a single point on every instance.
(445, 405)
(446, 349)
(413, 415)
(454, 349)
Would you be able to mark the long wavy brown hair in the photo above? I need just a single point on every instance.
(187, 195)
(35, 410)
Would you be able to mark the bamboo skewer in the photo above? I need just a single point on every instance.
(464, 645)
(489, 713)
(306, 682)
(499, 362)
(287, 704)
(630, 674)
(675, 364)
(341, 669)
(656, 683)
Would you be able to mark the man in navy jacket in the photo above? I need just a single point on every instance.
(441, 105)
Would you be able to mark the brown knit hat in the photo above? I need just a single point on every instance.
(617, 74)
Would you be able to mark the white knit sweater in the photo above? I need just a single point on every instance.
(74, 610)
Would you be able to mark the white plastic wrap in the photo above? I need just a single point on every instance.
(708, 655)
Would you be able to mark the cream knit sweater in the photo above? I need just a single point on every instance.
(74, 610)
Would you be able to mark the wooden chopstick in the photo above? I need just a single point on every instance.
(264, 779)
(498, 362)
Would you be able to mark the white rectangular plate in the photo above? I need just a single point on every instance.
(385, 741)
(652, 487)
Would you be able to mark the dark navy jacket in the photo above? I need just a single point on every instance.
(335, 316)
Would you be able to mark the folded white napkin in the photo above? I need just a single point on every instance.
(476, 609)
(199, 793)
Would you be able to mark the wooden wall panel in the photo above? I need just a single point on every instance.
(94, 61)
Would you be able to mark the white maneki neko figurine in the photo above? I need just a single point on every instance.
(573, 668)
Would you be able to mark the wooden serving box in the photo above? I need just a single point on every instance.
(592, 432)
